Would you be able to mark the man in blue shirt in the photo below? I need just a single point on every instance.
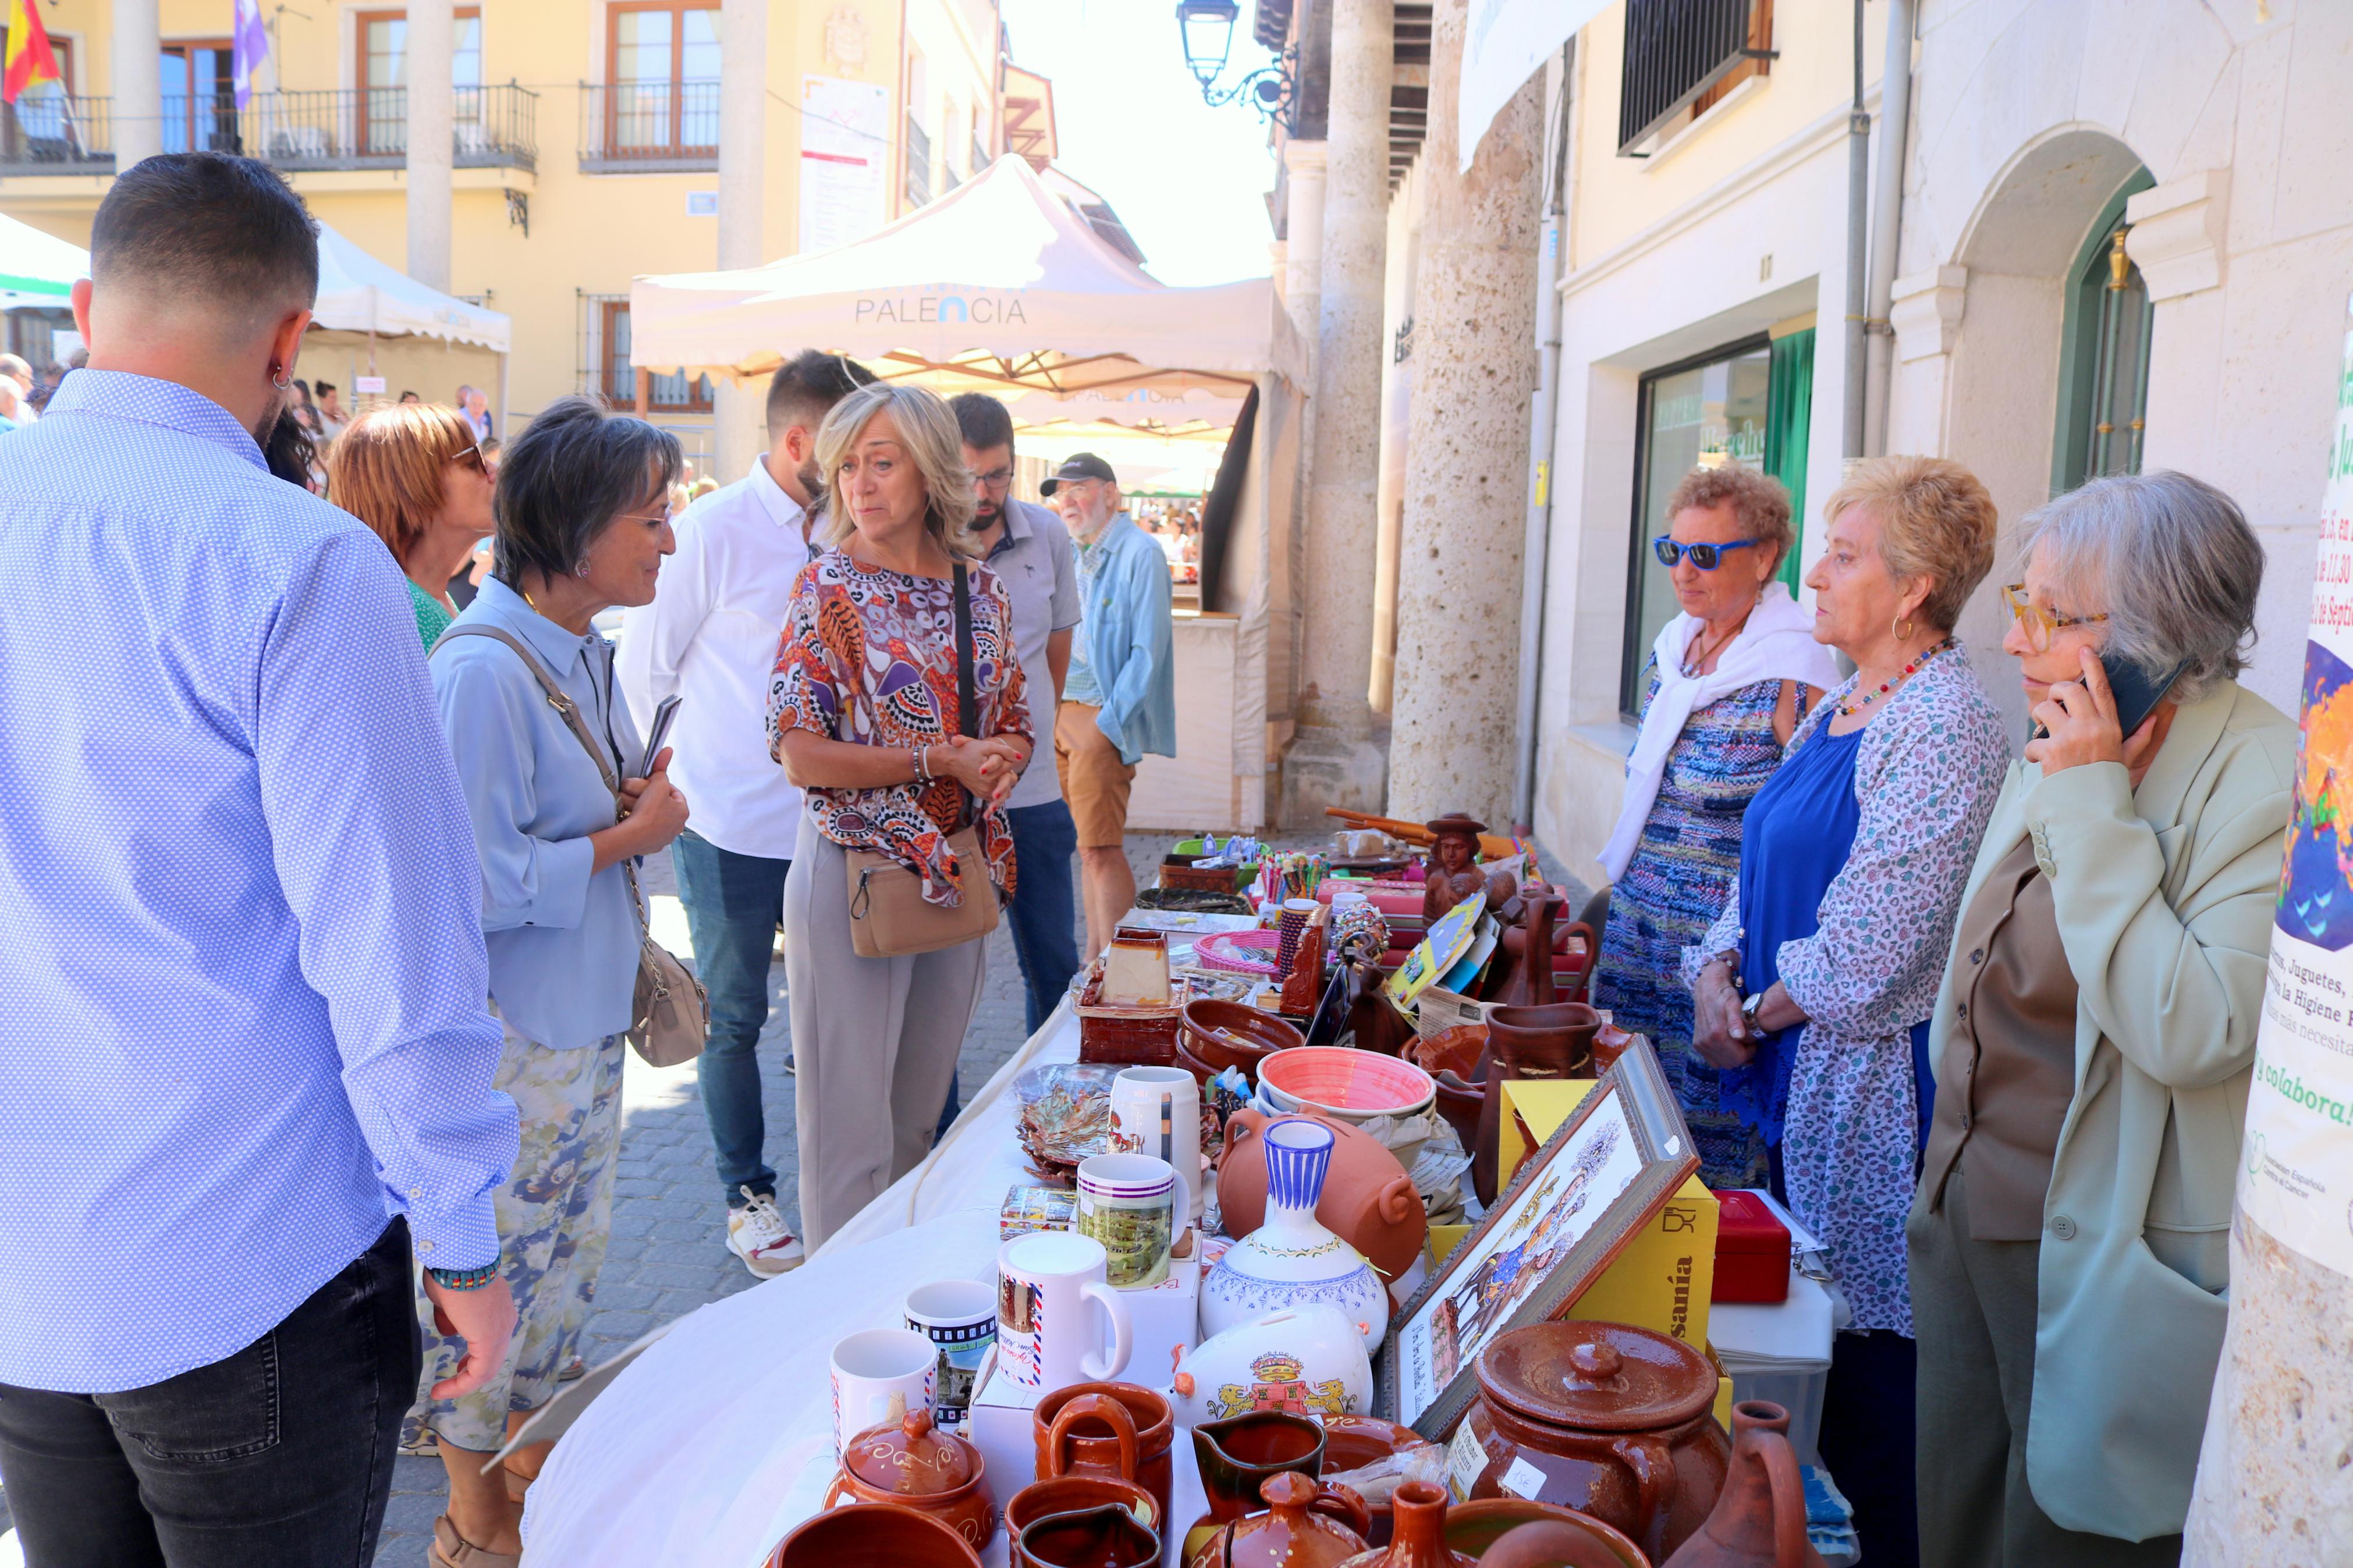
(1120, 700)
(251, 1061)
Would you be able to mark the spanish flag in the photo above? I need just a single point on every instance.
(30, 59)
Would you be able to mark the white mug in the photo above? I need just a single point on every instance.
(879, 1374)
(1133, 1203)
(959, 1316)
(1157, 1111)
(1046, 1338)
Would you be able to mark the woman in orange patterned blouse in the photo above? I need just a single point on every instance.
(863, 713)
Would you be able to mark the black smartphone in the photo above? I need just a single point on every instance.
(664, 712)
(2136, 693)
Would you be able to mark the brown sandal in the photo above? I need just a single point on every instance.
(451, 1550)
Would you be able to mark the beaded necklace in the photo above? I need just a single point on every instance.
(1853, 706)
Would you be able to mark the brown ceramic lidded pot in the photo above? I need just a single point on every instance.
(1615, 1420)
(932, 1472)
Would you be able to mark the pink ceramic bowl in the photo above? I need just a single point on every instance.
(1343, 1082)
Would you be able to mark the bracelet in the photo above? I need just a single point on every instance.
(922, 766)
(464, 1279)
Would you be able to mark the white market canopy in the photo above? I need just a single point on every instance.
(1000, 286)
(38, 268)
(357, 293)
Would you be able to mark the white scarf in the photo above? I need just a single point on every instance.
(1777, 644)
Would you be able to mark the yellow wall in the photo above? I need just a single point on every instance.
(1620, 197)
(589, 231)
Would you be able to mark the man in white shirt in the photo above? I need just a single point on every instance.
(710, 638)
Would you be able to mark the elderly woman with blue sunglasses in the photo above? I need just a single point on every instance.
(1730, 678)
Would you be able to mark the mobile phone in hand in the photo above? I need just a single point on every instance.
(2136, 692)
(659, 735)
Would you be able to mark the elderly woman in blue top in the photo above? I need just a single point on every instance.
(582, 527)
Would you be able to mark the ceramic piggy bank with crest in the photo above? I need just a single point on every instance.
(1303, 1361)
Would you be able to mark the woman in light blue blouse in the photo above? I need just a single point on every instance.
(582, 527)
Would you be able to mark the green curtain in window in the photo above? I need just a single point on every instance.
(1789, 414)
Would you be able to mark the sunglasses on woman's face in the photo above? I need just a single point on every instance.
(1706, 557)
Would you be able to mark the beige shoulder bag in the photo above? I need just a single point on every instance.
(889, 917)
(669, 1008)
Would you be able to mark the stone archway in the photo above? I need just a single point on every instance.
(1979, 339)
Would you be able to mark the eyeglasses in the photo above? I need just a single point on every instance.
(474, 455)
(2040, 621)
(1706, 557)
(995, 480)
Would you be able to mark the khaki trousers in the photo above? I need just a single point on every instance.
(874, 1042)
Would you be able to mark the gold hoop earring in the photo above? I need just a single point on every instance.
(1901, 631)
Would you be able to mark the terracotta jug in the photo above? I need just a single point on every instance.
(937, 1473)
(873, 1535)
(1546, 1542)
(1069, 1494)
(1104, 1536)
(1555, 1041)
(1121, 1429)
(1305, 1526)
(1611, 1420)
(1238, 1456)
(1530, 981)
(1759, 1520)
(1368, 1200)
(1419, 1537)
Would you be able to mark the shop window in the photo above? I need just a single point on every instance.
(382, 72)
(662, 68)
(618, 379)
(2104, 355)
(1697, 415)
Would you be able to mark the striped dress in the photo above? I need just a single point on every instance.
(1675, 886)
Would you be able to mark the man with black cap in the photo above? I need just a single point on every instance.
(1120, 700)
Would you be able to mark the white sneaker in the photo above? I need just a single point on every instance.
(757, 1234)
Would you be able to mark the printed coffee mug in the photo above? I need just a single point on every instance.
(879, 1374)
(1291, 924)
(1046, 1337)
(1131, 1203)
(1157, 1111)
(959, 1316)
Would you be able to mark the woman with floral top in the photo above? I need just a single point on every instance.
(1814, 987)
(863, 715)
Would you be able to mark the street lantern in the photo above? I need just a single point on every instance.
(1207, 27)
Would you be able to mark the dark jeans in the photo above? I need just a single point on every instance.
(1044, 915)
(733, 903)
(280, 1453)
(1867, 1441)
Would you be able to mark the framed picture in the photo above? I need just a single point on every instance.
(1574, 1206)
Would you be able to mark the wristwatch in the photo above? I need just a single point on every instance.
(1748, 1011)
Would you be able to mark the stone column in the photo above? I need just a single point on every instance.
(138, 62)
(1474, 364)
(1335, 759)
(1303, 243)
(739, 436)
(432, 111)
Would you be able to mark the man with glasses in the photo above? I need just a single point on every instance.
(710, 640)
(1031, 553)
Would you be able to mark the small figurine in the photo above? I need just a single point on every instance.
(1454, 873)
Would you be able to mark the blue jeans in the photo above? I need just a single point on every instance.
(734, 904)
(1044, 914)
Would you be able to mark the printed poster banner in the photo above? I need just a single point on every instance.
(1505, 42)
(2295, 1175)
(845, 161)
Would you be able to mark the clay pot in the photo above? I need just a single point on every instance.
(1456, 1050)
(1368, 1200)
(1419, 1538)
(1238, 1456)
(1374, 1022)
(1546, 1543)
(1759, 1519)
(1069, 1494)
(1219, 1034)
(1555, 1041)
(1305, 1526)
(1476, 1527)
(1120, 1429)
(937, 1473)
(1352, 1442)
(873, 1535)
(1530, 981)
(1616, 1421)
(1104, 1536)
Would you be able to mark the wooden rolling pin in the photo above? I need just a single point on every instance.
(1490, 845)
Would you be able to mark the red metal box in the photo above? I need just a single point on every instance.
(1752, 1251)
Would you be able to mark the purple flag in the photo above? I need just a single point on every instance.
(251, 47)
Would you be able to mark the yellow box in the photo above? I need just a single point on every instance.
(1662, 1279)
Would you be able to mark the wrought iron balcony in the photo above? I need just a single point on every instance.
(494, 128)
(1678, 49)
(648, 127)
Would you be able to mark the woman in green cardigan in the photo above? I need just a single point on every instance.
(2093, 1044)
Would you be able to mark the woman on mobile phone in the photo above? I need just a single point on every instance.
(2094, 1042)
